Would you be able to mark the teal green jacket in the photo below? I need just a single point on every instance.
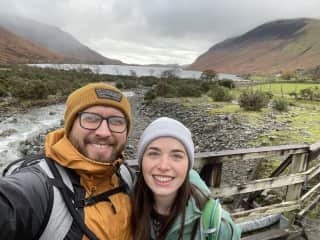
(193, 213)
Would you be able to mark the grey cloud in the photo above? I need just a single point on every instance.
(189, 26)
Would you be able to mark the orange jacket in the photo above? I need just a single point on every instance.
(103, 219)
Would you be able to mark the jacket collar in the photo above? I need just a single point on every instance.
(59, 148)
(192, 213)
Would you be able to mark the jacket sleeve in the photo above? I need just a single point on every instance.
(24, 199)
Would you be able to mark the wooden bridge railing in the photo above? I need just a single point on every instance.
(297, 157)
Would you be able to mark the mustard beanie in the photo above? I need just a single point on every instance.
(95, 94)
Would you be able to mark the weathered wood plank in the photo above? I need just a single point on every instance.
(261, 184)
(255, 153)
(299, 164)
(309, 207)
(268, 235)
(267, 183)
(314, 171)
(310, 193)
(264, 211)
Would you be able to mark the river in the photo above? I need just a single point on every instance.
(21, 126)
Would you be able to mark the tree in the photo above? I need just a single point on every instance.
(169, 74)
(133, 73)
(208, 75)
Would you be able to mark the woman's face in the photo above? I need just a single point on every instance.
(165, 166)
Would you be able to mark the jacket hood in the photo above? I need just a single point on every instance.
(60, 149)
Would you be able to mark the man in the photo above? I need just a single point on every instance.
(66, 195)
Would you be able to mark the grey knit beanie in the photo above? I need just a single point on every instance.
(166, 127)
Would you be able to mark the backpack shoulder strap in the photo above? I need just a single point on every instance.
(21, 163)
(210, 221)
(68, 201)
(126, 176)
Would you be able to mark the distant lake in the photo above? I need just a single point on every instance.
(138, 70)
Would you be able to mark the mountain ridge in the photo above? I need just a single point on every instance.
(273, 47)
(55, 40)
(14, 49)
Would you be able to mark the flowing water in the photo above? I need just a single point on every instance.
(21, 126)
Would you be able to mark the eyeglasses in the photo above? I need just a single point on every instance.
(92, 121)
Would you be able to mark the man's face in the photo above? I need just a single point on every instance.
(100, 144)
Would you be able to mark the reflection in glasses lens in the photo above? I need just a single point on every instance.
(92, 121)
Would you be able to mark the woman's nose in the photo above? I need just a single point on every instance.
(163, 163)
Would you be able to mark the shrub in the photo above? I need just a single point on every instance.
(150, 95)
(205, 86)
(31, 89)
(293, 94)
(119, 85)
(220, 93)
(280, 104)
(253, 100)
(288, 75)
(228, 83)
(306, 93)
(188, 90)
(164, 89)
(3, 91)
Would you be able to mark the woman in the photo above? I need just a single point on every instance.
(168, 196)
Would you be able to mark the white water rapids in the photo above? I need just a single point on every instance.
(21, 126)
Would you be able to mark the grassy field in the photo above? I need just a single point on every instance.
(283, 88)
(302, 118)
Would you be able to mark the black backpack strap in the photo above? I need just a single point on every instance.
(125, 184)
(21, 163)
(68, 201)
(100, 197)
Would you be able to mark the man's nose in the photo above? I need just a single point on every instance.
(103, 129)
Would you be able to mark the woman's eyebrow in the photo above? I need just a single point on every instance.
(178, 150)
(153, 148)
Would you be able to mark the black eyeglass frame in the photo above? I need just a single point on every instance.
(101, 120)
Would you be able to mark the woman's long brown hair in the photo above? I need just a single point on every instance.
(143, 202)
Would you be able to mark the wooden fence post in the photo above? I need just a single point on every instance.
(298, 164)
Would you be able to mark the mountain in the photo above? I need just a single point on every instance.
(54, 39)
(14, 49)
(282, 45)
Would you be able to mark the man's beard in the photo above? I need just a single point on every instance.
(100, 157)
(116, 153)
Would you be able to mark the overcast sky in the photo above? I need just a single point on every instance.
(158, 31)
